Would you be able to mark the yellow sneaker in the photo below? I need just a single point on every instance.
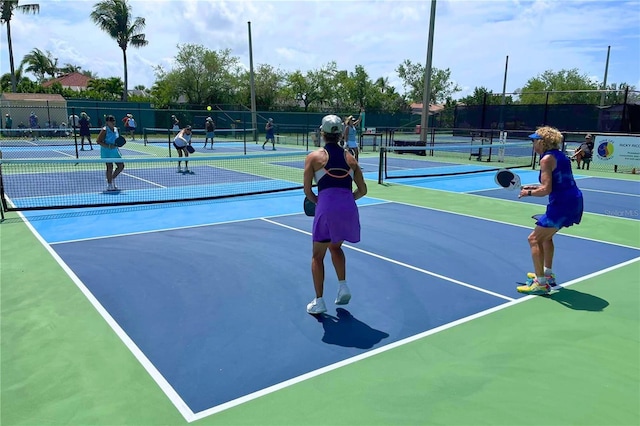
(534, 289)
(551, 279)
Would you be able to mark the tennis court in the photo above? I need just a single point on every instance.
(195, 311)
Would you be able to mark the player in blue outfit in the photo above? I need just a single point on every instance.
(270, 129)
(110, 152)
(564, 209)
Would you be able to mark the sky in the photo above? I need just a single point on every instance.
(471, 38)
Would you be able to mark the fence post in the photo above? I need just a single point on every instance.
(546, 109)
(625, 123)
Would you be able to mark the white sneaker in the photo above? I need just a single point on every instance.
(110, 187)
(179, 169)
(344, 295)
(115, 188)
(316, 306)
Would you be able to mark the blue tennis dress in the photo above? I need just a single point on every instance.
(565, 200)
(110, 138)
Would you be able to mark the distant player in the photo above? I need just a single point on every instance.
(180, 142)
(270, 129)
(210, 127)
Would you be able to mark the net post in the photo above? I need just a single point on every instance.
(169, 139)
(381, 164)
(3, 200)
(244, 136)
(73, 129)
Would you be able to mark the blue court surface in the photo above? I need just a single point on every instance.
(211, 296)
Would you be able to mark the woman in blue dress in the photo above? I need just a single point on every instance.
(564, 209)
(109, 150)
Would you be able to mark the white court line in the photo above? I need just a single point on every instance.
(610, 192)
(368, 354)
(519, 201)
(176, 228)
(164, 385)
(186, 412)
(144, 180)
(406, 265)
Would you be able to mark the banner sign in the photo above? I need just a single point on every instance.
(617, 150)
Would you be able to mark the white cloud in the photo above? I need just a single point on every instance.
(472, 38)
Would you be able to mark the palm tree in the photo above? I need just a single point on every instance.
(6, 13)
(114, 17)
(40, 64)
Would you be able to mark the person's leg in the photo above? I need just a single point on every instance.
(116, 172)
(82, 143)
(273, 143)
(317, 266)
(90, 143)
(549, 249)
(539, 241)
(186, 163)
(340, 265)
(339, 260)
(206, 139)
(317, 305)
(179, 162)
(109, 175)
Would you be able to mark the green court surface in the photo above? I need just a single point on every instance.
(569, 359)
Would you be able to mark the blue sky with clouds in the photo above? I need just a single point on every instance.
(472, 38)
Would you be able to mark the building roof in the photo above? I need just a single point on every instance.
(433, 108)
(31, 97)
(74, 79)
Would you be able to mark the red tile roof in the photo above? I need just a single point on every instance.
(433, 108)
(73, 79)
(31, 97)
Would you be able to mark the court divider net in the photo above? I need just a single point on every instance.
(39, 184)
(403, 161)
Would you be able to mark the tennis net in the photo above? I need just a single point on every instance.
(38, 184)
(402, 161)
(153, 135)
(28, 138)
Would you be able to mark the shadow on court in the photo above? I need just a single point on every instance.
(345, 330)
(579, 301)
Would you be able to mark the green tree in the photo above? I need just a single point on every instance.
(563, 84)
(268, 83)
(300, 88)
(6, 80)
(478, 97)
(114, 17)
(6, 13)
(412, 76)
(106, 88)
(202, 76)
(40, 64)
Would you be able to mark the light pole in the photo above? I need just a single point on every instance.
(424, 122)
(254, 118)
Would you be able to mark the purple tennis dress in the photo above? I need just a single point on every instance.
(565, 200)
(337, 218)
